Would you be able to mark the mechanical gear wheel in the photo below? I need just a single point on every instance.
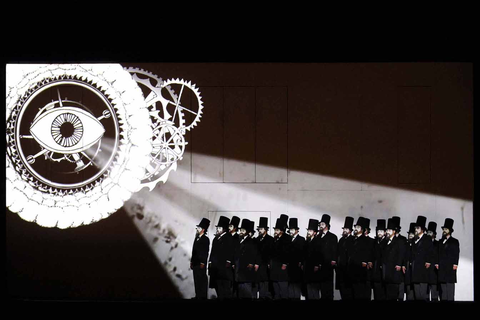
(153, 95)
(168, 147)
(195, 109)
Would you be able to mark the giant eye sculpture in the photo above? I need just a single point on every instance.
(82, 138)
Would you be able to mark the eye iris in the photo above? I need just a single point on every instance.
(67, 129)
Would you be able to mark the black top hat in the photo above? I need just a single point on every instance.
(284, 218)
(381, 224)
(362, 222)
(293, 223)
(234, 222)
(326, 219)
(421, 222)
(348, 223)
(251, 226)
(432, 226)
(412, 227)
(391, 224)
(281, 224)
(367, 223)
(245, 225)
(396, 220)
(263, 223)
(223, 222)
(313, 224)
(205, 223)
(448, 224)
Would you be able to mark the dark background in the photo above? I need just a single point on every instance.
(108, 260)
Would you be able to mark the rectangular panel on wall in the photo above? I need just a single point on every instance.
(207, 138)
(239, 134)
(271, 134)
(379, 136)
(414, 113)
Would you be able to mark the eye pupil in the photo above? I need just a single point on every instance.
(67, 129)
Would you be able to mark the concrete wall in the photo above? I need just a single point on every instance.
(376, 140)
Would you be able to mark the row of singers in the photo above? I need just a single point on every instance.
(287, 265)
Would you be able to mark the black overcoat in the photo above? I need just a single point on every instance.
(312, 258)
(433, 272)
(295, 273)
(280, 256)
(392, 256)
(328, 252)
(341, 270)
(360, 252)
(222, 252)
(246, 254)
(407, 257)
(264, 248)
(422, 252)
(372, 258)
(406, 245)
(200, 249)
(378, 246)
(448, 255)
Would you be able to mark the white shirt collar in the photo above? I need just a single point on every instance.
(244, 238)
(419, 238)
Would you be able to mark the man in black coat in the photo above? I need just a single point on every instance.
(433, 272)
(328, 248)
(359, 254)
(221, 260)
(448, 255)
(409, 292)
(279, 260)
(198, 262)
(246, 265)
(398, 229)
(366, 233)
(295, 273)
(233, 231)
(392, 253)
(421, 259)
(251, 232)
(264, 243)
(378, 284)
(312, 261)
(342, 283)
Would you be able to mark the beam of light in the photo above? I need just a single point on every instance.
(171, 211)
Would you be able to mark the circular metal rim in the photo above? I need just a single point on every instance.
(17, 138)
